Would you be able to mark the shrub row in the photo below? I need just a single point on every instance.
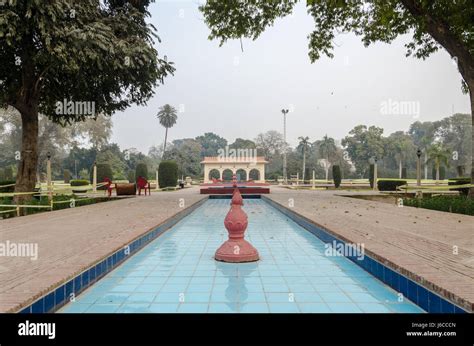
(460, 181)
(79, 182)
(452, 204)
(390, 184)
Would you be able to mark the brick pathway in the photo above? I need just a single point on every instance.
(417, 242)
(71, 240)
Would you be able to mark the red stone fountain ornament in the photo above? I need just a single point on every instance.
(236, 249)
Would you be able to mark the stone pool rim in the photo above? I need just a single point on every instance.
(379, 267)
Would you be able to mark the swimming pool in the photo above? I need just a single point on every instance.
(177, 272)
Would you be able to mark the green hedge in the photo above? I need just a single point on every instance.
(336, 175)
(168, 174)
(390, 184)
(79, 182)
(452, 204)
(43, 200)
(9, 188)
(460, 181)
(141, 170)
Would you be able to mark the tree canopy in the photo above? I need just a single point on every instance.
(57, 57)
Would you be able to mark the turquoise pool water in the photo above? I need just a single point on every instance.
(177, 272)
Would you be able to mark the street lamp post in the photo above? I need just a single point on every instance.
(418, 170)
(375, 173)
(94, 177)
(48, 176)
(285, 112)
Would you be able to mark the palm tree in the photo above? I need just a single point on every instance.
(327, 147)
(167, 116)
(438, 155)
(304, 142)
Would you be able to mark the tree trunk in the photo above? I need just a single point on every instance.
(164, 146)
(425, 164)
(26, 175)
(400, 168)
(437, 173)
(471, 95)
(304, 165)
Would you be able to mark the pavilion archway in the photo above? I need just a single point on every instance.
(214, 173)
(227, 175)
(254, 174)
(241, 175)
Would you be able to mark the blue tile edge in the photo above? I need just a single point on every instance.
(416, 293)
(61, 295)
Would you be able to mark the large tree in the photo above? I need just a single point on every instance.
(187, 154)
(270, 144)
(432, 24)
(362, 144)
(211, 143)
(97, 53)
(400, 146)
(455, 132)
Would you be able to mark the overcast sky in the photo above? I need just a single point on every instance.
(240, 94)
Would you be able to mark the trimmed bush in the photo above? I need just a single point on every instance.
(8, 188)
(404, 172)
(141, 170)
(336, 175)
(452, 204)
(67, 176)
(371, 175)
(168, 174)
(103, 171)
(79, 182)
(390, 184)
(460, 181)
(442, 173)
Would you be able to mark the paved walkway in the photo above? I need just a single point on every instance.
(419, 242)
(71, 240)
